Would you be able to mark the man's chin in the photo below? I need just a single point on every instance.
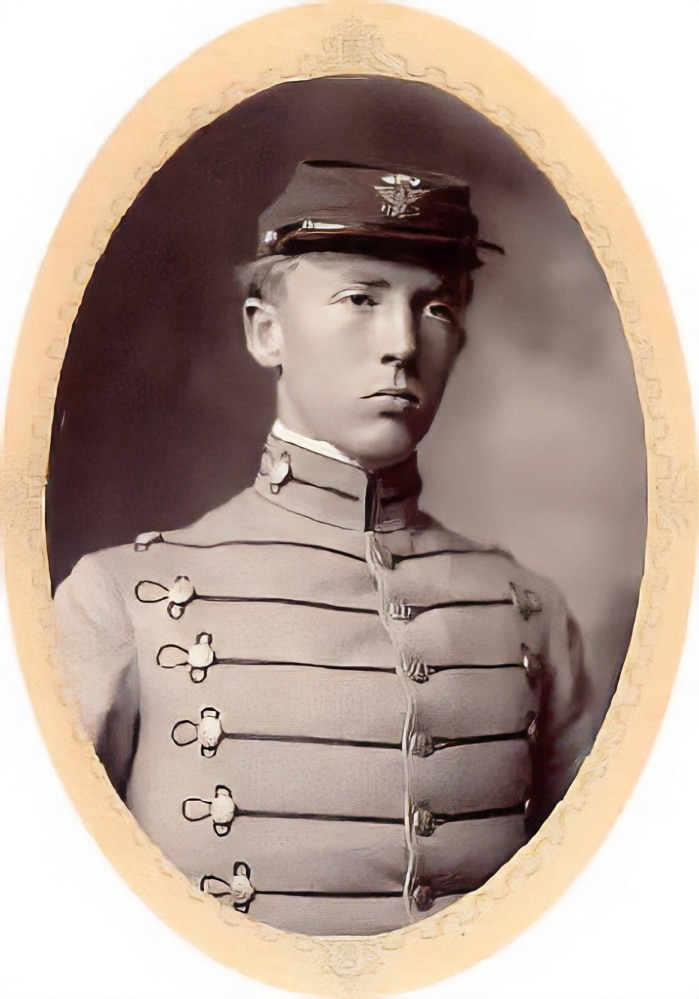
(385, 446)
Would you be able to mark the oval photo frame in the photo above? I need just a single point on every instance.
(382, 41)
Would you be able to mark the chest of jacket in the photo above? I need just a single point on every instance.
(355, 722)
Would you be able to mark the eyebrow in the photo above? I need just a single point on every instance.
(444, 287)
(379, 283)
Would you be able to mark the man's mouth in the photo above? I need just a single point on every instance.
(399, 394)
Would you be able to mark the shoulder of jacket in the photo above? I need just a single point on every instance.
(529, 587)
(447, 538)
(115, 566)
(95, 588)
(214, 527)
(96, 573)
(533, 581)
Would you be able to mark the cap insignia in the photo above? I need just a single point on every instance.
(399, 195)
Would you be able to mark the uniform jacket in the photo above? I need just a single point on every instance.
(324, 707)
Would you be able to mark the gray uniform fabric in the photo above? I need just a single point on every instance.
(325, 708)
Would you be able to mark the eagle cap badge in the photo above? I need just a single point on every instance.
(399, 191)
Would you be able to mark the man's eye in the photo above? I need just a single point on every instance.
(438, 311)
(359, 299)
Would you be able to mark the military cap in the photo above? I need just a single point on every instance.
(331, 205)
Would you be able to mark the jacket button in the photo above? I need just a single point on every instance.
(238, 892)
(279, 473)
(200, 657)
(144, 541)
(424, 821)
(422, 745)
(178, 595)
(181, 592)
(414, 668)
(196, 659)
(423, 896)
(525, 601)
(533, 663)
(242, 890)
(210, 731)
(398, 611)
(533, 727)
(221, 810)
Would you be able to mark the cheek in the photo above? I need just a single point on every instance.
(437, 358)
(324, 347)
(322, 372)
(314, 370)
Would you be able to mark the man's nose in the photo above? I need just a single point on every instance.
(398, 334)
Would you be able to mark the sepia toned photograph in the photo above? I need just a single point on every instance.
(346, 505)
(337, 704)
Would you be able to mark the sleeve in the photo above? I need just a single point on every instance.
(565, 733)
(96, 654)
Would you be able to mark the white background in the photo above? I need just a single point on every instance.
(626, 929)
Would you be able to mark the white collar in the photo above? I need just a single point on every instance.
(320, 447)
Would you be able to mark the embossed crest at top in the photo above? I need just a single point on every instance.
(400, 194)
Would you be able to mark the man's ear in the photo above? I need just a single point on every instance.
(263, 332)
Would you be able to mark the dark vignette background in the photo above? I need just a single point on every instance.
(539, 446)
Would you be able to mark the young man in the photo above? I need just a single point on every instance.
(327, 709)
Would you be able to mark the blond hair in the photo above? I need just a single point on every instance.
(264, 278)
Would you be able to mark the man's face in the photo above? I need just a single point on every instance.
(365, 347)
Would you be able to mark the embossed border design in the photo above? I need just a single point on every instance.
(301, 44)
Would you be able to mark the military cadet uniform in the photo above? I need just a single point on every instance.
(325, 708)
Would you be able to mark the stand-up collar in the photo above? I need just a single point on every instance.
(335, 492)
(283, 433)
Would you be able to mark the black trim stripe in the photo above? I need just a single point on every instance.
(448, 551)
(332, 894)
(474, 740)
(284, 662)
(351, 668)
(326, 489)
(444, 668)
(334, 551)
(436, 893)
(264, 544)
(440, 819)
(209, 598)
(485, 813)
(315, 740)
(414, 610)
(319, 817)
(500, 601)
